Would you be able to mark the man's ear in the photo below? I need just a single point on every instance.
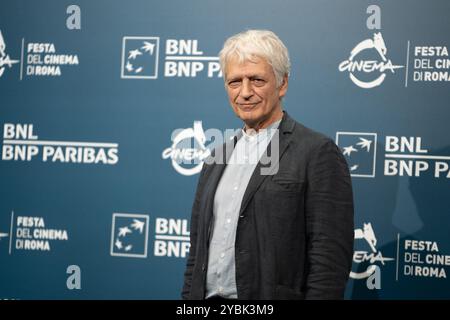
(284, 86)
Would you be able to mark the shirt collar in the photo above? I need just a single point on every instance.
(251, 134)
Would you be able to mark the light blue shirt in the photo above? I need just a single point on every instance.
(221, 275)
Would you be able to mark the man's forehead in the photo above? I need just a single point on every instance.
(239, 67)
(250, 59)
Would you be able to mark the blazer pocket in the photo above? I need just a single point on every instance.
(287, 293)
(290, 186)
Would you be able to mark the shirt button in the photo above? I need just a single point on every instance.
(222, 255)
(228, 220)
(235, 188)
(220, 289)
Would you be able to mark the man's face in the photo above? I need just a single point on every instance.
(253, 92)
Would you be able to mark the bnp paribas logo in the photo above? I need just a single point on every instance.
(140, 57)
(129, 235)
(368, 64)
(360, 152)
(5, 60)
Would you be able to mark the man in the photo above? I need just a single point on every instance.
(283, 235)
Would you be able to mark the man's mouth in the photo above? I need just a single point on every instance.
(247, 106)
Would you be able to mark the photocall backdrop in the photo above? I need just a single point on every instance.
(102, 101)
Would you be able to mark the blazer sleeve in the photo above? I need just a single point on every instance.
(185, 293)
(329, 223)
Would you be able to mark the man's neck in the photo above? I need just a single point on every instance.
(278, 115)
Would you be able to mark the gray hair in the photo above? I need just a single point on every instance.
(257, 43)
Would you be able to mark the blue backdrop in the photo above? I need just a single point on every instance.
(92, 204)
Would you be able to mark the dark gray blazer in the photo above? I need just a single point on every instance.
(294, 238)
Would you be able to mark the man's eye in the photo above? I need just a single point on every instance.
(234, 83)
(259, 82)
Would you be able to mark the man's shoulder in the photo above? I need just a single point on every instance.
(307, 137)
(310, 144)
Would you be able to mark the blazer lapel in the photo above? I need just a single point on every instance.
(286, 127)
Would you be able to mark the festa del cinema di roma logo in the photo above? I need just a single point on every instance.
(5, 60)
(187, 159)
(372, 258)
(358, 67)
(37, 59)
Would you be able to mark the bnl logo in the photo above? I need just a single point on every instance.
(129, 235)
(360, 151)
(140, 57)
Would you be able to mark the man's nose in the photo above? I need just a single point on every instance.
(246, 89)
